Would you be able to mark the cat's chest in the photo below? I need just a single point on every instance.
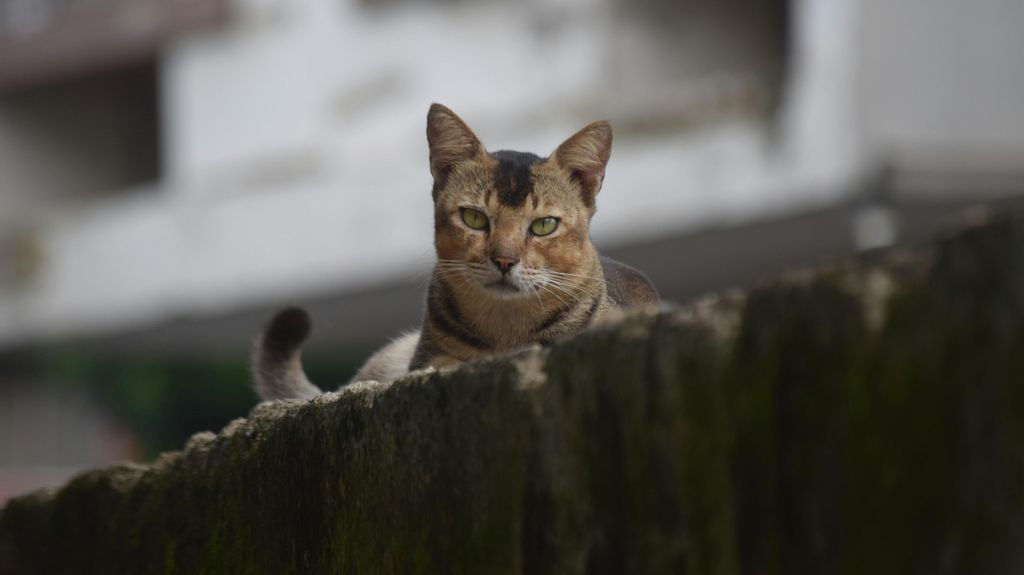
(509, 328)
(506, 330)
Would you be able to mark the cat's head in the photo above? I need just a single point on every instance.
(511, 223)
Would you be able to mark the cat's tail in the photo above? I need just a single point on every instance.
(276, 357)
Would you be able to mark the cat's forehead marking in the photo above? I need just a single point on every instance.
(513, 179)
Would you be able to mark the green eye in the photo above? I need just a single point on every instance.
(474, 218)
(544, 226)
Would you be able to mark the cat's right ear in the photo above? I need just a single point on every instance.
(451, 141)
(585, 155)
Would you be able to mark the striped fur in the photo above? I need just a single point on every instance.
(498, 288)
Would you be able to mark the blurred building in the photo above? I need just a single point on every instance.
(170, 170)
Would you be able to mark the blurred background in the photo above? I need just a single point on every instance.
(171, 171)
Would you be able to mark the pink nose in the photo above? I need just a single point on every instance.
(504, 264)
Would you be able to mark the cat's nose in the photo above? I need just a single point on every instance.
(504, 264)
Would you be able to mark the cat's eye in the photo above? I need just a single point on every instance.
(474, 218)
(544, 226)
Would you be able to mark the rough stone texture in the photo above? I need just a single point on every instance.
(864, 418)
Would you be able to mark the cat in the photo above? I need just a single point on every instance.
(515, 265)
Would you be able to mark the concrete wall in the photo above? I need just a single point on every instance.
(862, 418)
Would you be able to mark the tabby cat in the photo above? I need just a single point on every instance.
(515, 265)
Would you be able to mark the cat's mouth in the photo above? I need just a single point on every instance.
(504, 286)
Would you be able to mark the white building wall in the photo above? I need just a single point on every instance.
(943, 77)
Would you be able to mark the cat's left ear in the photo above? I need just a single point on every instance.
(584, 155)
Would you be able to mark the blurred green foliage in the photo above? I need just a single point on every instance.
(163, 401)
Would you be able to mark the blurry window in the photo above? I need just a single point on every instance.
(52, 40)
(685, 61)
(79, 98)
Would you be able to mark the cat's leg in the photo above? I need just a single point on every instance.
(443, 363)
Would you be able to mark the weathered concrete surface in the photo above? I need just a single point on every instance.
(865, 418)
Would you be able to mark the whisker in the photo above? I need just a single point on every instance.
(540, 300)
(564, 291)
(573, 282)
(564, 274)
(553, 294)
(577, 291)
(569, 282)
